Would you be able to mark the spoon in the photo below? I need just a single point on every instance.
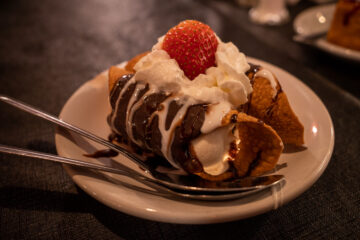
(170, 180)
(153, 183)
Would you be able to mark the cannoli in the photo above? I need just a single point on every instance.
(194, 102)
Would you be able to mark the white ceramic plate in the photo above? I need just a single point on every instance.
(317, 20)
(88, 108)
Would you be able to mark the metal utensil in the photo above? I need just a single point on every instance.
(162, 190)
(187, 183)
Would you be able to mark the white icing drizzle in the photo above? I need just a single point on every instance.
(162, 119)
(163, 73)
(139, 87)
(268, 75)
(165, 134)
(130, 115)
(166, 144)
(223, 87)
(168, 135)
(213, 116)
(123, 90)
(113, 116)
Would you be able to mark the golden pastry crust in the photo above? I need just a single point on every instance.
(260, 147)
(285, 122)
(275, 111)
(115, 73)
(130, 64)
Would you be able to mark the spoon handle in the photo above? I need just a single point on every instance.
(37, 112)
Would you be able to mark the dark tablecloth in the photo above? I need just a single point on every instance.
(49, 48)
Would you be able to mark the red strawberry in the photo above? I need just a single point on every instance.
(193, 45)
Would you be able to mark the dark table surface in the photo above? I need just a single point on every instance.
(49, 48)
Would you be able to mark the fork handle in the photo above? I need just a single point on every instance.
(37, 112)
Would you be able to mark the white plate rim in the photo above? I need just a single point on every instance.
(84, 180)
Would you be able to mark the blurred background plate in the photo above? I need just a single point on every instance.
(316, 21)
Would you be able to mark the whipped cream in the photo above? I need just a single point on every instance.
(223, 87)
(212, 149)
(225, 82)
(158, 69)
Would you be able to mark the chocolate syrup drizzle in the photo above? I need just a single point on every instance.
(251, 75)
(145, 125)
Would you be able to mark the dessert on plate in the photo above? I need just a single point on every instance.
(197, 103)
(345, 26)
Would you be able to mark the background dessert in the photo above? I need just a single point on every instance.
(345, 26)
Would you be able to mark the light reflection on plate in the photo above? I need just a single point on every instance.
(316, 20)
(88, 108)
